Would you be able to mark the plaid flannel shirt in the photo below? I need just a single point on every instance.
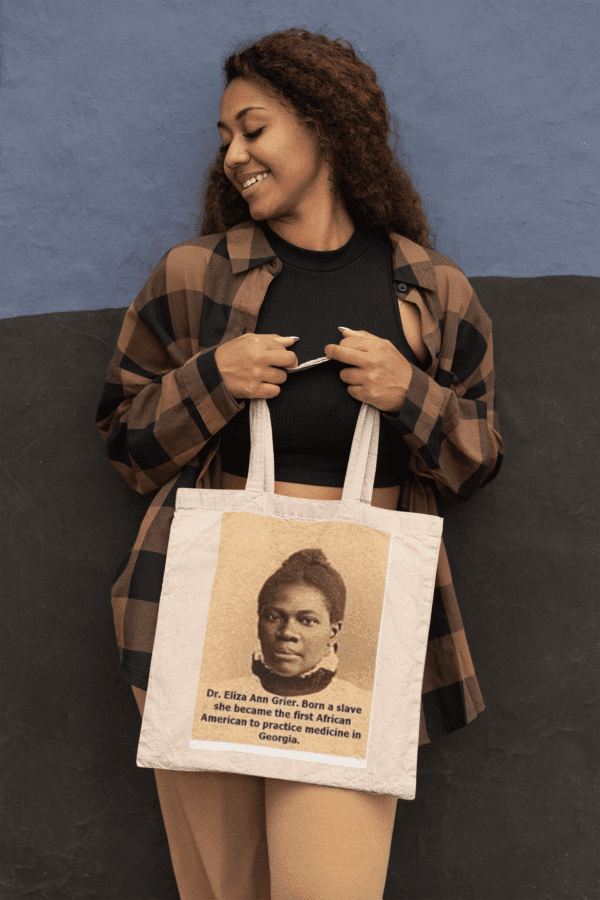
(164, 404)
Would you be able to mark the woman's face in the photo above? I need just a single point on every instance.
(294, 629)
(289, 152)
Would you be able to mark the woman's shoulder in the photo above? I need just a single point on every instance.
(187, 259)
(436, 271)
(194, 250)
(417, 254)
(184, 266)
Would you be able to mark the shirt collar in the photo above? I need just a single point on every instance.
(248, 248)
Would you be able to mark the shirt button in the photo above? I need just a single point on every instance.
(402, 287)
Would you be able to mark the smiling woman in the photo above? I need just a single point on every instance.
(279, 169)
(310, 220)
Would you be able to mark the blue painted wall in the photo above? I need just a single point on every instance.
(109, 113)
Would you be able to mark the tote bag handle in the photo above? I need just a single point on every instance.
(360, 474)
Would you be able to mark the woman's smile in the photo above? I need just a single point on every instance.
(250, 189)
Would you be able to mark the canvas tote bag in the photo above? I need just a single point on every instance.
(219, 700)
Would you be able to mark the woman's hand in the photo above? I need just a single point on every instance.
(381, 374)
(250, 364)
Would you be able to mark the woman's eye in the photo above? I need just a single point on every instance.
(270, 616)
(310, 622)
(251, 137)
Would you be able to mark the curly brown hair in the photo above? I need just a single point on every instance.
(323, 81)
(311, 567)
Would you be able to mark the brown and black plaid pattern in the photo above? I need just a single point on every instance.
(164, 403)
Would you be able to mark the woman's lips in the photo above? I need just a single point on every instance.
(255, 184)
(287, 654)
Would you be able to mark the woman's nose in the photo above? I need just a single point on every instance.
(235, 157)
(288, 632)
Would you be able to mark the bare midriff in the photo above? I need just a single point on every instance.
(384, 498)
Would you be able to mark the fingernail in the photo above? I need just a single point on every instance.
(343, 328)
(295, 337)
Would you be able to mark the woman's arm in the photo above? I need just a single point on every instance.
(162, 402)
(449, 420)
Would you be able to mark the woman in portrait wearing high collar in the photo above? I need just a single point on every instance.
(312, 228)
(301, 611)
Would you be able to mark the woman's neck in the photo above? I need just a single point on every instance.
(311, 682)
(326, 229)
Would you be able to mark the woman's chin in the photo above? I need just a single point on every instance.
(288, 668)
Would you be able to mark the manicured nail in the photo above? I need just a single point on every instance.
(343, 328)
(295, 337)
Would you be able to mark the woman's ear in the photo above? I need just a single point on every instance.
(335, 629)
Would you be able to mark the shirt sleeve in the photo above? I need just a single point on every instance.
(450, 421)
(161, 403)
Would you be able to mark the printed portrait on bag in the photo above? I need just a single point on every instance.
(290, 647)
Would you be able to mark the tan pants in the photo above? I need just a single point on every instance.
(240, 837)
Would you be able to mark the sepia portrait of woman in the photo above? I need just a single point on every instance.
(301, 610)
(300, 613)
(312, 228)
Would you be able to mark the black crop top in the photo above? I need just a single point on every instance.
(313, 418)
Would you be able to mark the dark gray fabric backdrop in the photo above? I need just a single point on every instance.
(504, 806)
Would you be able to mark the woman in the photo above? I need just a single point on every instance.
(300, 615)
(309, 221)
